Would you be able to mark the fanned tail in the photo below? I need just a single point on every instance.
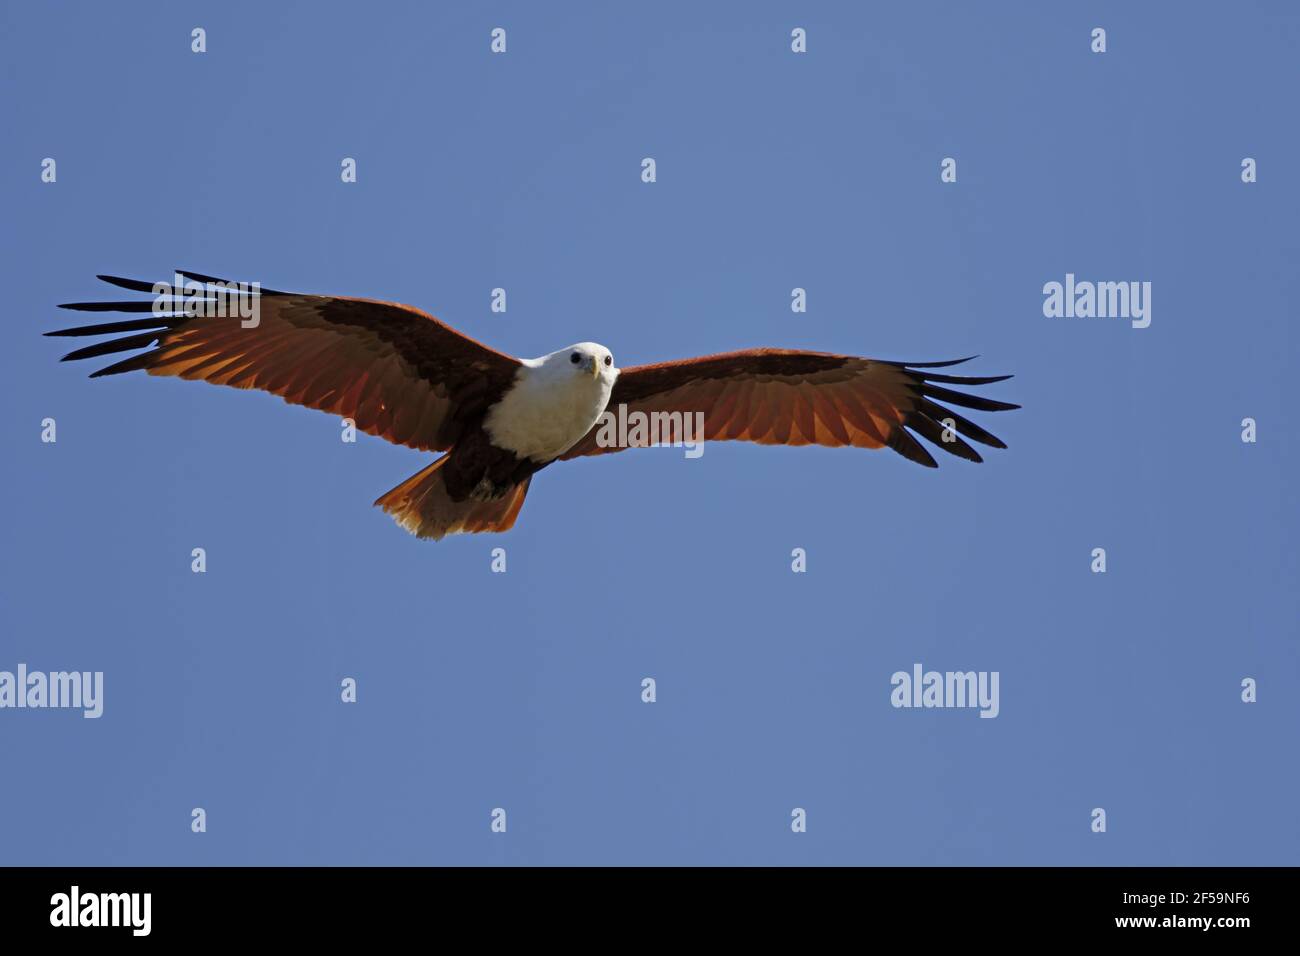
(422, 506)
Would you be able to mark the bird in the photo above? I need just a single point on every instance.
(400, 374)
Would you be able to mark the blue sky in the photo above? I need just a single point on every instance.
(775, 170)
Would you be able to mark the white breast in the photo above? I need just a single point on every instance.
(544, 415)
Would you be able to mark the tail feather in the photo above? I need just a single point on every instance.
(422, 506)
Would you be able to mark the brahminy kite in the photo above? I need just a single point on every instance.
(401, 374)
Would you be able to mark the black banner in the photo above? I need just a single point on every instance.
(333, 905)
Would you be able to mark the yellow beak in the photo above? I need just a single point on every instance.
(595, 367)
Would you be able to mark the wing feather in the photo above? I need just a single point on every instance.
(765, 406)
(803, 418)
(396, 371)
(774, 396)
(721, 406)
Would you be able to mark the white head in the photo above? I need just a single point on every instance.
(555, 400)
(585, 361)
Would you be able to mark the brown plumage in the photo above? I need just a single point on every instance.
(401, 374)
(397, 372)
(783, 397)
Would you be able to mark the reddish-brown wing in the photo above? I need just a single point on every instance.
(397, 372)
(783, 397)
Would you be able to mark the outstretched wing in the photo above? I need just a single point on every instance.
(397, 372)
(781, 397)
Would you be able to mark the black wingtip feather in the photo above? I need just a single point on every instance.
(149, 330)
(911, 449)
(175, 314)
(125, 344)
(937, 424)
(963, 379)
(963, 426)
(135, 285)
(160, 323)
(135, 362)
(946, 364)
(965, 401)
(200, 277)
(139, 305)
(942, 437)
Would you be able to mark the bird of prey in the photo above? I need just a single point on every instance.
(401, 374)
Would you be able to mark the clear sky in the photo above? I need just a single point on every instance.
(775, 170)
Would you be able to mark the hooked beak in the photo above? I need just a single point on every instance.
(594, 366)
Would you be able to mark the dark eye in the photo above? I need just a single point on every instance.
(609, 360)
(575, 358)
